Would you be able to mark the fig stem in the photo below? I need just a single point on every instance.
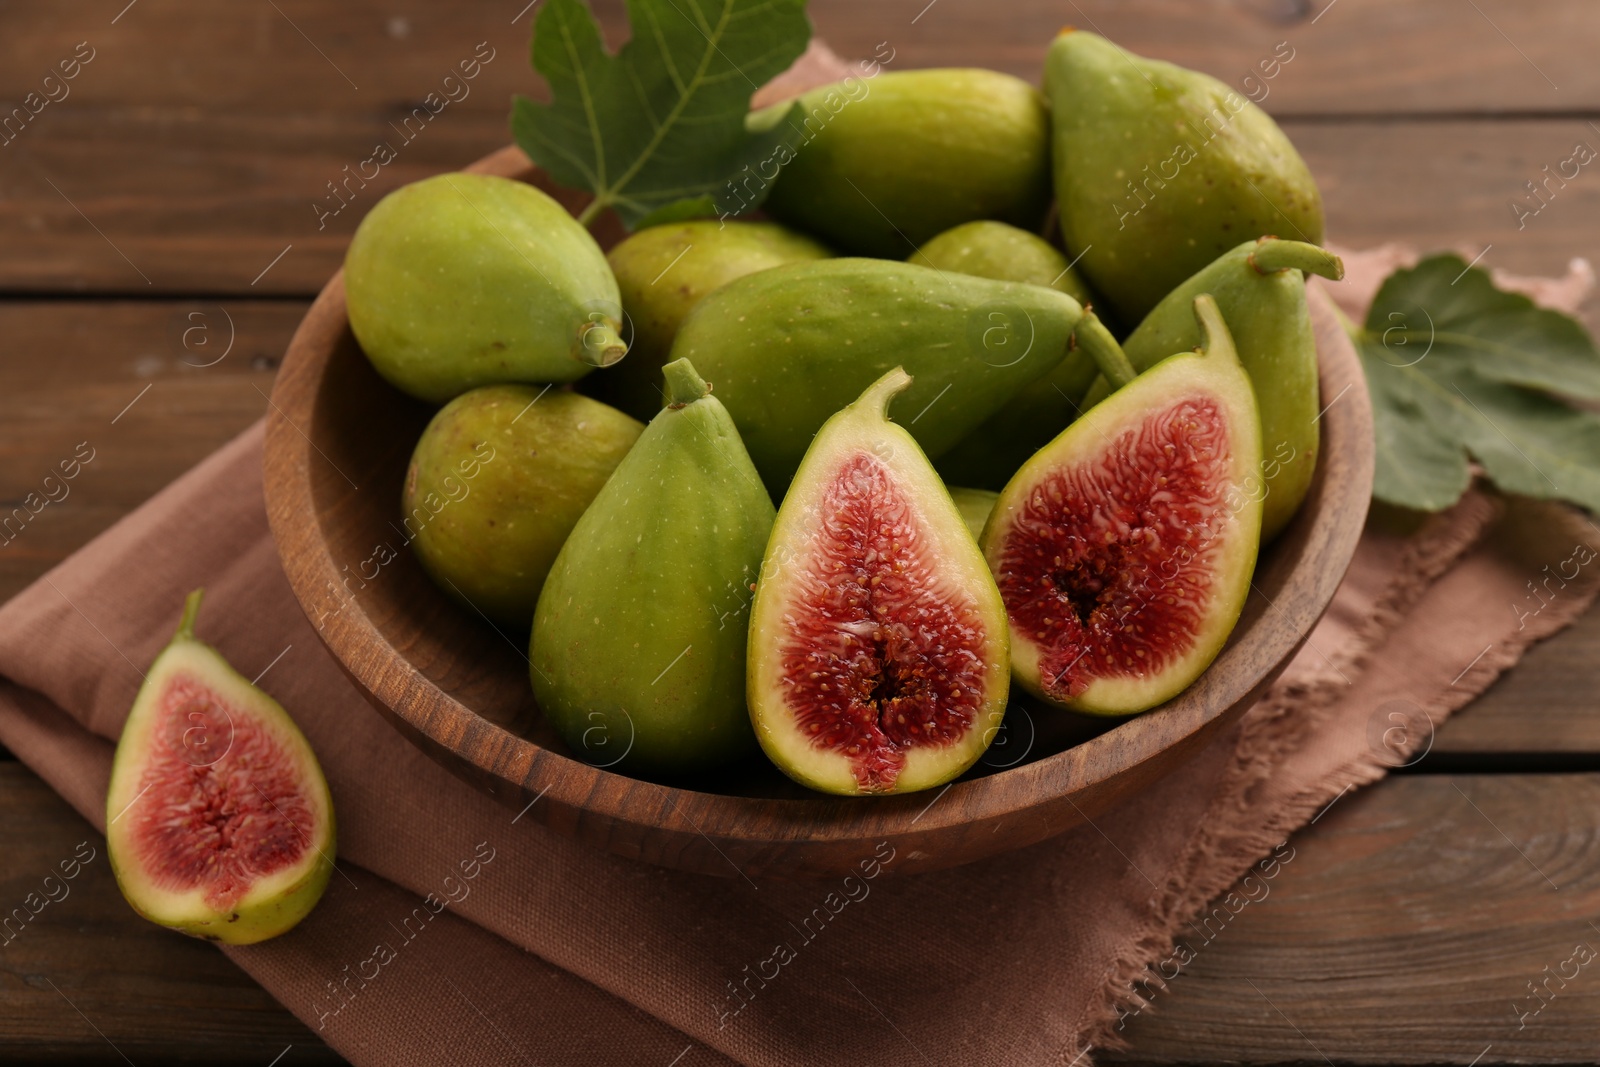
(191, 611)
(599, 344)
(879, 393)
(1091, 334)
(684, 385)
(1273, 254)
(1216, 340)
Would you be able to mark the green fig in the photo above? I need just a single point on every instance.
(879, 166)
(497, 482)
(990, 454)
(975, 506)
(463, 280)
(989, 249)
(219, 823)
(788, 347)
(878, 658)
(1124, 549)
(638, 648)
(662, 272)
(1260, 286)
(1159, 170)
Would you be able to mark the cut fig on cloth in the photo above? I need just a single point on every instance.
(1124, 549)
(218, 819)
(877, 659)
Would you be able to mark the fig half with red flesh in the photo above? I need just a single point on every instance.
(1124, 548)
(219, 822)
(878, 653)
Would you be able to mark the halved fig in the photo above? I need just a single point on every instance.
(878, 659)
(219, 822)
(1124, 548)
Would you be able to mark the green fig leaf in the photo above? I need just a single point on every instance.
(657, 131)
(1458, 368)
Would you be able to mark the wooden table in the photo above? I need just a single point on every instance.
(162, 211)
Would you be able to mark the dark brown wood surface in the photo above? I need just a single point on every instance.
(194, 145)
(1420, 119)
(152, 997)
(1406, 928)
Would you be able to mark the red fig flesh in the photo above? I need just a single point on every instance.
(1124, 549)
(878, 656)
(218, 820)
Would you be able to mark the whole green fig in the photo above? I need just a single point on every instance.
(788, 347)
(1159, 170)
(1029, 420)
(497, 482)
(463, 280)
(881, 165)
(662, 272)
(638, 648)
(1260, 287)
(990, 249)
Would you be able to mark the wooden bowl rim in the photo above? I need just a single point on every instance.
(594, 793)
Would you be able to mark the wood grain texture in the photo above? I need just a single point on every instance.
(1543, 707)
(1401, 931)
(1409, 922)
(338, 440)
(70, 372)
(214, 224)
(1350, 56)
(136, 985)
(223, 149)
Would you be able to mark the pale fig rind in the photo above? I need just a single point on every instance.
(496, 483)
(462, 280)
(790, 346)
(1219, 562)
(638, 644)
(277, 900)
(860, 442)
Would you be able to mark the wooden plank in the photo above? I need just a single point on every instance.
(72, 371)
(85, 980)
(299, 56)
(1451, 185)
(207, 206)
(1403, 930)
(220, 165)
(1544, 707)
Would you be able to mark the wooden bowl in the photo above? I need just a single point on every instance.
(338, 441)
